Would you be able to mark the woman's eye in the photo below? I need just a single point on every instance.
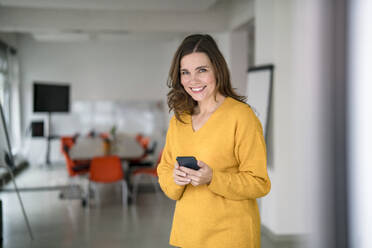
(184, 72)
(202, 70)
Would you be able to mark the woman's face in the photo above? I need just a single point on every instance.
(197, 76)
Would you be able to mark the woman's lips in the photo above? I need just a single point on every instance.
(197, 89)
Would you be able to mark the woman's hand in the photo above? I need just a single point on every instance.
(198, 177)
(180, 176)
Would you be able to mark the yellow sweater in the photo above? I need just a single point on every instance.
(223, 213)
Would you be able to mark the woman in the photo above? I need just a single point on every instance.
(216, 205)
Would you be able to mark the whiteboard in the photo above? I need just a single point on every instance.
(259, 88)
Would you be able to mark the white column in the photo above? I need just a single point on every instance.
(360, 123)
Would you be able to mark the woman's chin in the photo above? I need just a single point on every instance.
(197, 98)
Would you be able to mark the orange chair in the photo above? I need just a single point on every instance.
(107, 169)
(137, 175)
(104, 136)
(139, 137)
(67, 141)
(74, 168)
(144, 143)
(148, 150)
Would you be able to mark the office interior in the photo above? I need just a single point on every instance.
(115, 56)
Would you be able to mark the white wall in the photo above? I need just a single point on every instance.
(117, 70)
(359, 124)
(294, 35)
(282, 210)
(125, 70)
(239, 60)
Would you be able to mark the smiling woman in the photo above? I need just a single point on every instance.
(197, 76)
(198, 60)
(216, 204)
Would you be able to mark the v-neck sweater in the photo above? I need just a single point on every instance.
(225, 212)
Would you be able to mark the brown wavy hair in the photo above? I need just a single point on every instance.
(178, 99)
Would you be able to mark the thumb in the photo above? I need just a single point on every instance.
(201, 164)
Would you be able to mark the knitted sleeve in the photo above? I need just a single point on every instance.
(251, 181)
(166, 167)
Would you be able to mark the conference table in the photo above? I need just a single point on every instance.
(124, 146)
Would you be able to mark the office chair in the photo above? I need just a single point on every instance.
(74, 168)
(138, 174)
(148, 151)
(107, 169)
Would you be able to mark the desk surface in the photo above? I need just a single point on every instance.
(124, 146)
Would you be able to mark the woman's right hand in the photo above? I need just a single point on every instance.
(180, 177)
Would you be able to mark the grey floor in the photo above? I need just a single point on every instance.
(65, 223)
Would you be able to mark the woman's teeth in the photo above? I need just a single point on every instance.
(197, 89)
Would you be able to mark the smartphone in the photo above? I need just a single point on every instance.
(189, 162)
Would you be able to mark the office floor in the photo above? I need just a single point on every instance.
(65, 223)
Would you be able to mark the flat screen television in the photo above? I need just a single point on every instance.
(51, 97)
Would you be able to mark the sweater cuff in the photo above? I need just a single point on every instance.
(173, 190)
(214, 184)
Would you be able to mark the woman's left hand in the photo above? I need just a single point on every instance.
(201, 176)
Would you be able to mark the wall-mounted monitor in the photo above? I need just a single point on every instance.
(51, 97)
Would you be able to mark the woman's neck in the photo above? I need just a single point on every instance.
(210, 105)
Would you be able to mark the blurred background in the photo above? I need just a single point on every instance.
(86, 78)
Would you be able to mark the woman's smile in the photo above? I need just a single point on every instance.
(198, 89)
(198, 77)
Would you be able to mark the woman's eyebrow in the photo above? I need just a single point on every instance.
(200, 67)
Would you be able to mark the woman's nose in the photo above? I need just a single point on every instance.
(194, 78)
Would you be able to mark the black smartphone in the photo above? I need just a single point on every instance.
(189, 162)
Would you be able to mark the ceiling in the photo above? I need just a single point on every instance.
(74, 20)
(128, 5)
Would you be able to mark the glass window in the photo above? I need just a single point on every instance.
(3, 61)
(2, 84)
(4, 97)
